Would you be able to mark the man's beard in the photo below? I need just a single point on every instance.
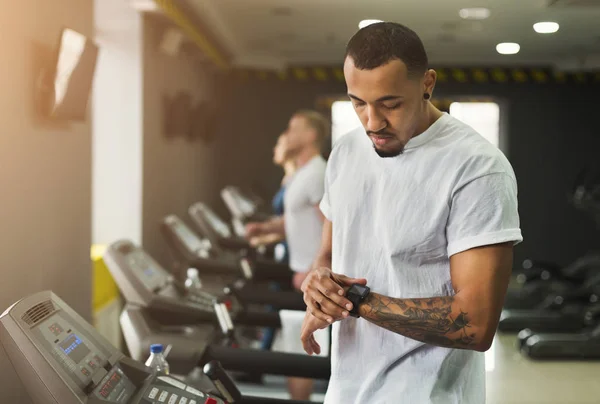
(388, 154)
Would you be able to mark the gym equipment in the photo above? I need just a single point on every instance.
(539, 279)
(584, 342)
(62, 359)
(215, 229)
(578, 345)
(242, 273)
(158, 311)
(242, 208)
(208, 259)
(557, 312)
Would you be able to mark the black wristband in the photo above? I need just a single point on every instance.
(357, 294)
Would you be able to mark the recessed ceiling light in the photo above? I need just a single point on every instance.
(508, 48)
(475, 13)
(545, 27)
(365, 23)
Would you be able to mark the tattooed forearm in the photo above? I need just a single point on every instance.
(438, 321)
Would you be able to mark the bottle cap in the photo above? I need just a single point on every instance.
(156, 348)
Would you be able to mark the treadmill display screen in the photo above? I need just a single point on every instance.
(74, 348)
(189, 238)
(217, 223)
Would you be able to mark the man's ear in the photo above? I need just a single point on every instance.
(430, 78)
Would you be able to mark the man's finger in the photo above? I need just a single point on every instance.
(315, 347)
(315, 310)
(347, 281)
(330, 308)
(328, 286)
(334, 293)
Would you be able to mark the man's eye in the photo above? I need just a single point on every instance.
(393, 106)
(358, 104)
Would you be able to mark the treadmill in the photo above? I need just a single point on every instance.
(246, 277)
(157, 311)
(215, 229)
(62, 359)
(202, 254)
(539, 279)
(242, 208)
(557, 313)
(584, 344)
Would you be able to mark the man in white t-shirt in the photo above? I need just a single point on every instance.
(302, 221)
(423, 211)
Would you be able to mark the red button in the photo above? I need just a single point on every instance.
(210, 400)
(228, 304)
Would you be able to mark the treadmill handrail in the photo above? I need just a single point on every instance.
(267, 362)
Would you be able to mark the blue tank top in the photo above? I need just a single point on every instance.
(278, 209)
(278, 201)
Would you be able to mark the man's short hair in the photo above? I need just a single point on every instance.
(318, 122)
(379, 43)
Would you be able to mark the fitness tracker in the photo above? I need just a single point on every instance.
(356, 294)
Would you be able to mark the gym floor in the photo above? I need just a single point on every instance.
(511, 379)
(515, 379)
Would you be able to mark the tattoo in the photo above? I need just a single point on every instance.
(431, 320)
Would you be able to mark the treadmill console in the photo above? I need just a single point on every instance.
(211, 218)
(134, 269)
(146, 269)
(62, 359)
(238, 204)
(200, 247)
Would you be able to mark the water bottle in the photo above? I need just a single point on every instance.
(157, 359)
(193, 283)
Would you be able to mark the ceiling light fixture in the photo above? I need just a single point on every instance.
(475, 13)
(546, 27)
(508, 48)
(365, 23)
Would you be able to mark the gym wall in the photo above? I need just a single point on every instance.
(176, 171)
(551, 132)
(45, 174)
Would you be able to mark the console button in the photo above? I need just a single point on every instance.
(153, 393)
(173, 399)
(163, 396)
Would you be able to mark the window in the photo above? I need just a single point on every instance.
(343, 119)
(484, 117)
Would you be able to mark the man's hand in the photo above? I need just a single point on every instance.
(298, 279)
(324, 294)
(309, 326)
(253, 229)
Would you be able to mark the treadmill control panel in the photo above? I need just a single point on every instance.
(149, 271)
(71, 348)
(168, 390)
(192, 242)
(115, 387)
(215, 221)
(62, 359)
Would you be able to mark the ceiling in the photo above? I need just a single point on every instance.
(279, 33)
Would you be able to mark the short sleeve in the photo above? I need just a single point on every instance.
(484, 212)
(325, 204)
(316, 186)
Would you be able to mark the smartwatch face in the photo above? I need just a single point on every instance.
(360, 289)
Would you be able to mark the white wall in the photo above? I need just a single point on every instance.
(117, 131)
(45, 174)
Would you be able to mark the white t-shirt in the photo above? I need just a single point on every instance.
(396, 221)
(303, 224)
